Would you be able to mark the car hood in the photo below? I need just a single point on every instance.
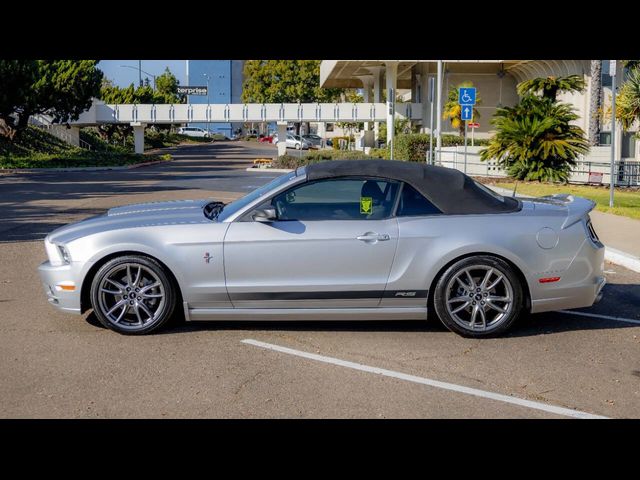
(132, 216)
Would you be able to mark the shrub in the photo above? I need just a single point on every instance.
(413, 147)
(295, 161)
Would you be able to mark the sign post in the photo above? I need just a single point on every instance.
(473, 126)
(466, 100)
(612, 72)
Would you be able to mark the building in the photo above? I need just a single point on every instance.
(224, 81)
(495, 80)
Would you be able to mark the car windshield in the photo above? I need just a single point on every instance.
(234, 207)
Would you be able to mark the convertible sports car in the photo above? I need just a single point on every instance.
(343, 240)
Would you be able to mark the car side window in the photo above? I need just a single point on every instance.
(337, 199)
(413, 203)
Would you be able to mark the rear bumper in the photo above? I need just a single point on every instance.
(580, 297)
(54, 278)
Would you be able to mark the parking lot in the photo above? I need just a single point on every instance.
(56, 365)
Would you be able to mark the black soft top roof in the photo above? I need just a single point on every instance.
(450, 190)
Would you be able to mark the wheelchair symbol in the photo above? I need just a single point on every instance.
(466, 98)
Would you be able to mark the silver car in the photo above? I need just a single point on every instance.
(294, 141)
(341, 240)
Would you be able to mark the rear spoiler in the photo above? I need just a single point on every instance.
(577, 207)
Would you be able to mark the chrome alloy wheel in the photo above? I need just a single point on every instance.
(131, 296)
(479, 297)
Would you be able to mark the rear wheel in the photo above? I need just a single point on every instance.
(478, 296)
(132, 295)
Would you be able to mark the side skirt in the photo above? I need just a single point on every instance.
(377, 313)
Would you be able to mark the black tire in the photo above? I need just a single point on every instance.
(456, 322)
(161, 306)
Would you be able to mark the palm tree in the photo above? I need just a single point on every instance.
(550, 86)
(535, 140)
(453, 111)
(595, 95)
(628, 100)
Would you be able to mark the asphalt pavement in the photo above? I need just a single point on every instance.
(57, 365)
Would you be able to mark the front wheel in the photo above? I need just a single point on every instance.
(298, 146)
(478, 296)
(133, 295)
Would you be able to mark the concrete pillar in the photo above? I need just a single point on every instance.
(391, 80)
(138, 136)
(426, 96)
(367, 83)
(282, 138)
(376, 72)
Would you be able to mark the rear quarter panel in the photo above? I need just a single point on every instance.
(427, 244)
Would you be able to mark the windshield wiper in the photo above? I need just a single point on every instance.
(213, 209)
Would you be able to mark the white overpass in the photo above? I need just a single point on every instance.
(141, 115)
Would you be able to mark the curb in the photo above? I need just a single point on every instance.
(622, 258)
(262, 170)
(81, 169)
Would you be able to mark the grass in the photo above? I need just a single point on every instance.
(36, 148)
(626, 200)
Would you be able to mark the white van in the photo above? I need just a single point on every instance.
(193, 132)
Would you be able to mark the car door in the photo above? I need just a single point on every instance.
(332, 245)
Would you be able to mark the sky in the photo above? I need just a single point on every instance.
(124, 76)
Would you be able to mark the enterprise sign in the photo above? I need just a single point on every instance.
(192, 90)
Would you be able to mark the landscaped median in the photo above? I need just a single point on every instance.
(37, 149)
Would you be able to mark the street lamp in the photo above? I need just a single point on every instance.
(206, 75)
(140, 74)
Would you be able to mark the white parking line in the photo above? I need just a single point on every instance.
(425, 381)
(606, 317)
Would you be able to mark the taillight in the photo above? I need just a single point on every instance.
(592, 232)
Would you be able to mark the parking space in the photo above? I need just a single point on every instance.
(55, 365)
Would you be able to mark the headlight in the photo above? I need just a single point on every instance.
(58, 254)
(64, 253)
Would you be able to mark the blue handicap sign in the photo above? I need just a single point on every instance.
(467, 96)
(466, 112)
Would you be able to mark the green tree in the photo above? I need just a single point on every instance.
(167, 88)
(62, 89)
(550, 86)
(628, 100)
(285, 81)
(453, 111)
(535, 140)
(16, 78)
(282, 81)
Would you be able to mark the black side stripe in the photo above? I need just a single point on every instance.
(330, 295)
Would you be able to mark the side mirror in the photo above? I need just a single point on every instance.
(265, 215)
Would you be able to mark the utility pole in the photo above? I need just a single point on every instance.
(140, 72)
(431, 88)
(612, 72)
(438, 114)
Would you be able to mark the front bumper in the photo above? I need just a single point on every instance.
(57, 282)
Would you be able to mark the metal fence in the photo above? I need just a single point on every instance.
(585, 171)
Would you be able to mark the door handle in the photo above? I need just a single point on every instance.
(372, 237)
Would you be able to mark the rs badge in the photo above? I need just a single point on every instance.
(207, 257)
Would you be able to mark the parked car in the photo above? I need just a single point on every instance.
(193, 132)
(314, 140)
(342, 240)
(295, 141)
(265, 139)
